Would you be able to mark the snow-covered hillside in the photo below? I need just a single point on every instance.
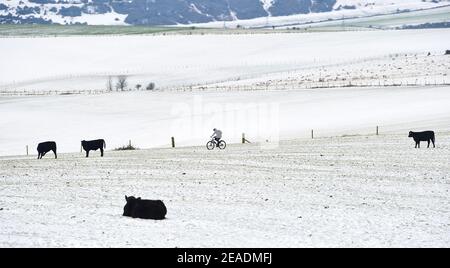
(358, 191)
(369, 11)
(150, 119)
(349, 4)
(185, 12)
(86, 63)
(60, 12)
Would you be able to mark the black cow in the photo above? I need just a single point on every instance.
(45, 147)
(144, 209)
(422, 136)
(93, 145)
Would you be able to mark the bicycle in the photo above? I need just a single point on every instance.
(213, 144)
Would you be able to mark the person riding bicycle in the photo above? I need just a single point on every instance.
(217, 135)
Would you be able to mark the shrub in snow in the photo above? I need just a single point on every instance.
(126, 147)
(150, 86)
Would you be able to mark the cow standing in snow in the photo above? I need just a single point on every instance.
(422, 136)
(45, 147)
(93, 145)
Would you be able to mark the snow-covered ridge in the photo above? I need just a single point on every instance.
(343, 9)
(194, 59)
(187, 12)
(59, 12)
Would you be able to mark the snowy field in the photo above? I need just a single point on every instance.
(345, 187)
(396, 69)
(150, 119)
(354, 191)
(86, 63)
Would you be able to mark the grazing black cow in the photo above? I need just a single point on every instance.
(144, 209)
(45, 147)
(93, 145)
(422, 136)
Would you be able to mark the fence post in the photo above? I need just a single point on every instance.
(377, 130)
(173, 142)
(312, 133)
(129, 143)
(244, 140)
(27, 149)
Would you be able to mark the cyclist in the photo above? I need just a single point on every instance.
(217, 135)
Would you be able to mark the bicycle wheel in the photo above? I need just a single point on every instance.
(222, 145)
(210, 145)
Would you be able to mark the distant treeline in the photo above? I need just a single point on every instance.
(428, 25)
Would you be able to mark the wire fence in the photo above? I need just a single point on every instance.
(50, 92)
(277, 85)
(287, 85)
(276, 75)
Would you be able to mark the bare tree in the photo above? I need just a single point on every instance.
(121, 83)
(109, 84)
